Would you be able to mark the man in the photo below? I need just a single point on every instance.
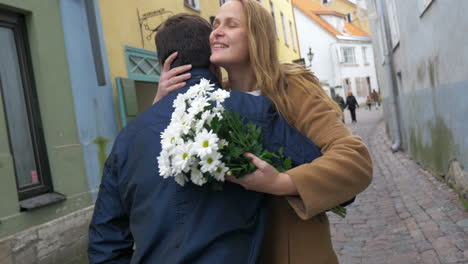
(139, 217)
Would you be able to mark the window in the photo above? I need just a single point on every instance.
(348, 55)
(293, 39)
(194, 4)
(272, 10)
(221, 2)
(21, 110)
(364, 55)
(285, 34)
(348, 17)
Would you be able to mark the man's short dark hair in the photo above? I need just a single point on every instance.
(188, 35)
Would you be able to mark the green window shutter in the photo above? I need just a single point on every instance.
(127, 98)
(142, 65)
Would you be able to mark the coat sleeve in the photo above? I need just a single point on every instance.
(344, 170)
(110, 240)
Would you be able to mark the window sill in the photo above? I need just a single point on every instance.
(193, 8)
(350, 64)
(41, 201)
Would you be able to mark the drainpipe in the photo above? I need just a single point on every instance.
(388, 52)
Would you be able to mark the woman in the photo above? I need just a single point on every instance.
(243, 44)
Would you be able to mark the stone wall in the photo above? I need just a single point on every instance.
(62, 241)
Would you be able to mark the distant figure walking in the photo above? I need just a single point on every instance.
(351, 103)
(340, 101)
(369, 102)
(376, 98)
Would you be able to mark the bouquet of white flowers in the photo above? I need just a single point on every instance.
(204, 142)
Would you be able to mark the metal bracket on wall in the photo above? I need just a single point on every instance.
(143, 21)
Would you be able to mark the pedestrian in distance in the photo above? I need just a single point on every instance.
(340, 101)
(352, 104)
(369, 103)
(376, 98)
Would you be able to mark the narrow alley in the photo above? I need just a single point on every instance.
(405, 216)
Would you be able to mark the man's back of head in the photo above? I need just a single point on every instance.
(188, 35)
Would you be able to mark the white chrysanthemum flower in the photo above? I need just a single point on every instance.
(182, 158)
(180, 103)
(206, 142)
(164, 163)
(194, 91)
(220, 172)
(222, 143)
(210, 162)
(183, 122)
(205, 118)
(218, 110)
(219, 95)
(206, 85)
(170, 137)
(181, 179)
(196, 176)
(198, 105)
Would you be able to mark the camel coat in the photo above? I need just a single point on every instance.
(298, 230)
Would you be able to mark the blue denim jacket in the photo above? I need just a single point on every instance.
(139, 217)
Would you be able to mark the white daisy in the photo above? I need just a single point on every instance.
(181, 179)
(220, 172)
(219, 95)
(170, 137)
(210, 162)
(182, 158)
(206, 143)
(196, 176)
(164, 163)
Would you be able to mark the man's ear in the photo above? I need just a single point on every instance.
(216, 71)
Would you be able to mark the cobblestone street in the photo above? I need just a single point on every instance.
(405, 216)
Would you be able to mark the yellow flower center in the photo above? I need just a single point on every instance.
(205, 144)
(210, 160)
(184, 156)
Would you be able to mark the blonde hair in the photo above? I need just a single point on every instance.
(272, 77)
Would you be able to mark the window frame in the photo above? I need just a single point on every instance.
(272, 12)
(364, 55)
(16, 22)
(343, 55)
(285, 33)
(196, 5)
(293, 39)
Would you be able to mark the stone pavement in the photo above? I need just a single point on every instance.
(405, 216)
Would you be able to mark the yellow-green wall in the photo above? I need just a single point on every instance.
(121, 26)
(120, 21)
(286, 52)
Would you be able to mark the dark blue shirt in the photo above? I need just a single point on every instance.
(139, 217)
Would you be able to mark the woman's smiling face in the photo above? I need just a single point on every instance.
(229, 40)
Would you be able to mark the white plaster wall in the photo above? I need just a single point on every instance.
(312, 35)
(325, 63)
(360, 69)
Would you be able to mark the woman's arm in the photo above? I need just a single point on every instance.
(170, 79)
(344, 170)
